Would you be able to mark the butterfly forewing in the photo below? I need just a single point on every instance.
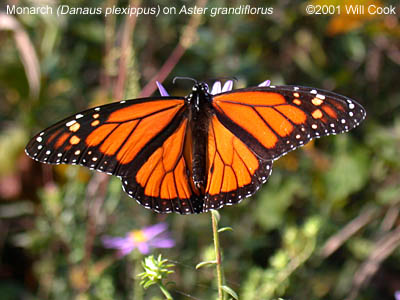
(107, 138)
(275, 120)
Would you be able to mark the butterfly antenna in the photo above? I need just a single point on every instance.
(233, 78)
(183, 78)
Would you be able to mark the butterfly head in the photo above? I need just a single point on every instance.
(200, 95)
(201, 87)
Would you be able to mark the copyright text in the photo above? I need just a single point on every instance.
(351, 9)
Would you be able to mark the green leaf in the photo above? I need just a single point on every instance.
(205, 263)
(225, 229)
(349, 171)
(274, 201)
(147, 284)
(231, 292)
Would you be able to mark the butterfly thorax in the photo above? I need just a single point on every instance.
(199, 115)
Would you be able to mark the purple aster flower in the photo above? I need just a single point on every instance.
(228, 86)
(397, 295)
(265, 83)
(155, 236)
(216, 88)
(162, 89)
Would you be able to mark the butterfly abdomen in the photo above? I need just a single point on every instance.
(200, 115)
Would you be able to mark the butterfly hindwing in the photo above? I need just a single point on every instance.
(275, 120)
(234, 172)
(163, 182)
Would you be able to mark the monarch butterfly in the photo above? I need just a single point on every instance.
(199, 152)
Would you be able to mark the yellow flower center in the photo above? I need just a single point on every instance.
(138, 236)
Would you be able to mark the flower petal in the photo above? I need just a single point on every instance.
(216, 89)
(265, 83)
(143, 248)
(154, 230)
(126, 250)
(162, 243)
(124, 245)
(397, 295)
(227, 86)
(162, 90)
(115, 242)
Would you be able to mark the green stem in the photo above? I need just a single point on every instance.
(137, 289)
(165, 291)
(220, 276)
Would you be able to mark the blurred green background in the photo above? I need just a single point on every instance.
(325, 226)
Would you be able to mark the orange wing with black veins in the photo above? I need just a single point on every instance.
(274, 120)
(145, 142)
(234, 172)
(163, 183)
(112, 138)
